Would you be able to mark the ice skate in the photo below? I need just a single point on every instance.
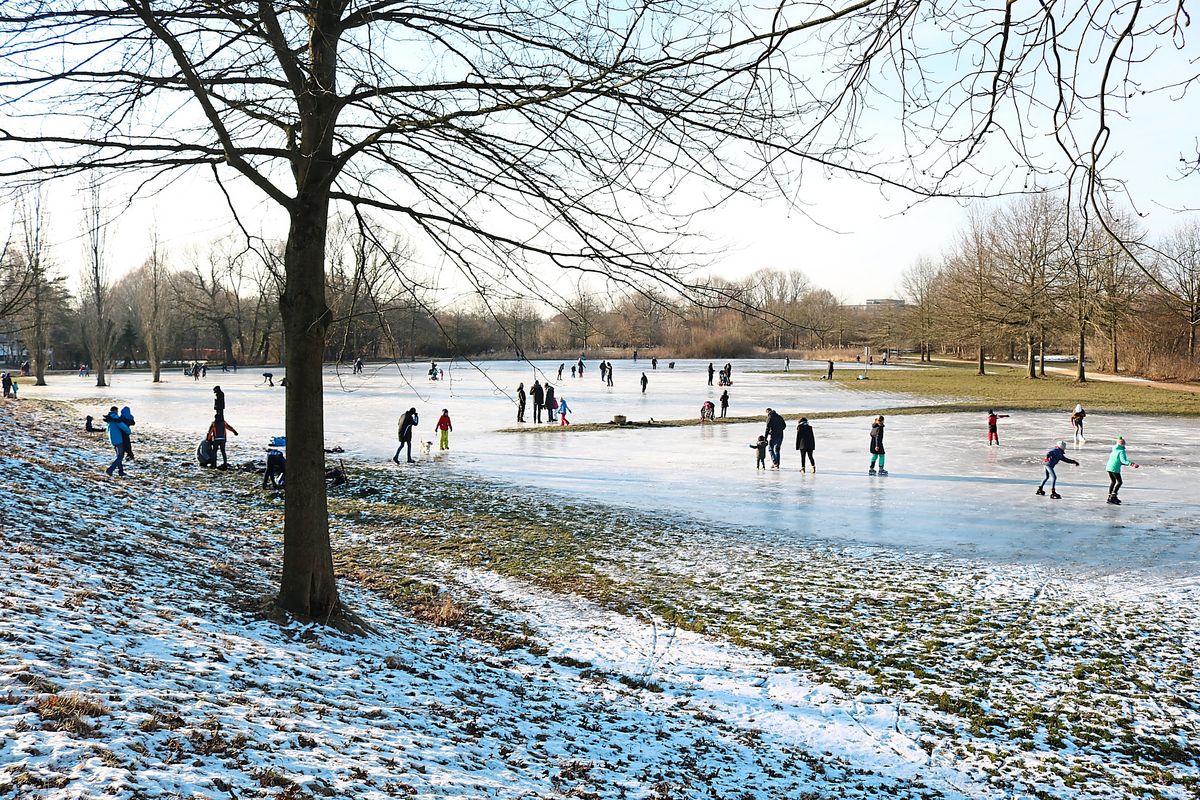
(883, 472)
(1040, 491)
(814, 469)
(871, 471)
(1114, 500)
(1055, 496)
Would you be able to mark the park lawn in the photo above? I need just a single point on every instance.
(1008, 388)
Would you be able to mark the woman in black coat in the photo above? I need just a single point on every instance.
(806, 443)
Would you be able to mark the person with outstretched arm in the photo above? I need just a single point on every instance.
(1053, 456)
(992, 433)
(1116, 460)
(217, 435)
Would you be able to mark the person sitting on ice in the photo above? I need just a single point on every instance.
(1056, 454)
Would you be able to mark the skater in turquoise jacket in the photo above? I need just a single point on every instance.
(1116, 459)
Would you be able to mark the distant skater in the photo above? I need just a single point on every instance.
(560, 370)
(572, 370)
(117, 431)
(218, 400)
(787, 363)
(1116, 460)
(654, 363)
(268, 378)
(538, 395)
(551, 403)
(724, 401)
(806, 443)
(760, 450)
(992, 433)
(829, 372)
(443, 427)
(563, 410)
(645, 381)
(404, 432)
(711, 371)
(774, 434)
(877, 451)
(1077, 423)
(1053, 456)
(520, 402)
(608, 374)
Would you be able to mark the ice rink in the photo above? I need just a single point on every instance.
(947, 492)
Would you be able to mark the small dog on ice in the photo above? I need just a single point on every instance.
(426, 447)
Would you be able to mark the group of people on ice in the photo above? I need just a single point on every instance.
(544, 399)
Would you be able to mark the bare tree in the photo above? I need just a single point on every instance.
(1178, 268)
(99, 330)
(519, 140)
(920, 284)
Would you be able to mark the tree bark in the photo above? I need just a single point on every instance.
(1112, 333)
(982, 371)
(1031, 367)
(1042, 354)
(307, 586)
(1080, 370)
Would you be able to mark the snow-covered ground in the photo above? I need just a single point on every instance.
(647, 615)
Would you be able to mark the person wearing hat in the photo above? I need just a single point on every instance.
(877, 451)
(1053, 456)
(1116, 459)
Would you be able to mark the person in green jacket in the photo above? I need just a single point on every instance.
(1115, 461)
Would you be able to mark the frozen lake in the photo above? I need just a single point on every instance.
(947, 492)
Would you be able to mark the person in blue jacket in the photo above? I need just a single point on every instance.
(1056, 454)
(118, 432)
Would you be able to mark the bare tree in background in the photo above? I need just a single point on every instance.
(151, 305)
(920, 284)
(1179, 273)
(559, 136)
(99, 330)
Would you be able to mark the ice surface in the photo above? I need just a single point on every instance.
(947, 491)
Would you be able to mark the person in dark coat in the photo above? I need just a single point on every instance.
(724, 402)
(217, 435)
(218, 400)
(877, 451)
(520, 402)
(645, 381)
(711, 371)
(806, 443)
(551, 403)
(829, 372)
(539, 400)
(127, 418)
(774, 434)
(404, 432)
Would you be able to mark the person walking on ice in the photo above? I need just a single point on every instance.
(645, 381)
(1077, 423)
(724, 401)
(760, 449)
(877, 451)
(563, 410)
(1056, 454)
(992, 433)
(774, 433)
(443, 427)
(1116, 459)
(404, 432)
(806, 443)
(539, 400)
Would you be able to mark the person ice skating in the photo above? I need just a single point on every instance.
(711, 371)
(572, 370)
(608, 374)
(580, 366)
(1116, 460)
(563, 410)
(787, 363)
(404, 433)
(707, 411)
(774, 433)
(760, 450)
(635, 356)
(992, 434)
(1053, 456)
(218, 400)
(521, 402)
(443, 428)
(269, 378)
(560, 371)
(551, 403)
(127, 418)
(117, 431)
(603, 370)
(806, 442)
(358, 366)
(877, 451)
(645, 381)
(217, 434)
(724, 401)
(538, 395)
(829, 372)
(1077, 423)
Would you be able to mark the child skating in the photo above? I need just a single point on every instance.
(1056, 454)
(877, 451)
(563, 410)
(992, 433)
(1077, 423)
(1116, 460)
(760, 449)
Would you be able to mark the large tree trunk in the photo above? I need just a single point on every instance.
(152, 354)
(307, 586)
(1080, 370)
(1042, 354)
(980, 354)
(39, 349)
(1112, 335)
(1030, 365)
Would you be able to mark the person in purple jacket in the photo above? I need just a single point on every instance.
(1056, 454)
